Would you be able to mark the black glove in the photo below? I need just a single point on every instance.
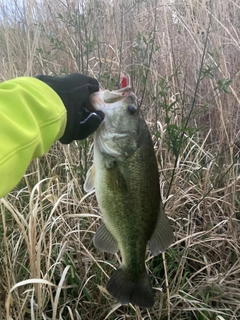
(74, 90)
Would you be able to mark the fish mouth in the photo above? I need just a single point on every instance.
(101, 99)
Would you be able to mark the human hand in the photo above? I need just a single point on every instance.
(74, 90)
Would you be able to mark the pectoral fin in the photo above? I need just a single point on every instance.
(104, 240)
(162, 236)
(90, 179)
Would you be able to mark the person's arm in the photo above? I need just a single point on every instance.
(33, 116)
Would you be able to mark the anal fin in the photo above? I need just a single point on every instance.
(104, 240)
(162, 236)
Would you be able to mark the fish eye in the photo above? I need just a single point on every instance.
(131, 109)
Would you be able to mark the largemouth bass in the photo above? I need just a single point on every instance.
(125, 177)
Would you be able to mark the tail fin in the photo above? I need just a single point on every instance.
(126, 290)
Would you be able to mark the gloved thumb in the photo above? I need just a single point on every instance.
(90, 122)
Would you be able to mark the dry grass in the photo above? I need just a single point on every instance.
(49, 267)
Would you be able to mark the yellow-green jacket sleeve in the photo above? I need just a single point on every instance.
(32, 117)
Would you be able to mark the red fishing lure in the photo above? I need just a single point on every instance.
(124, 82)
